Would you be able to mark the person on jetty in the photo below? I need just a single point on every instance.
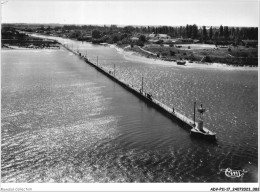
(172, 109)
(149, 96)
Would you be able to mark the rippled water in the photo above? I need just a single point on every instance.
(62, 121)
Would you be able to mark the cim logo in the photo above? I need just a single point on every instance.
(233, 173)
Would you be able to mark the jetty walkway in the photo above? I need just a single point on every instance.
(175, 115)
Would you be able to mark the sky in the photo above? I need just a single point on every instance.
(133, 12)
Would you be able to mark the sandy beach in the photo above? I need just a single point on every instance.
(135, 56)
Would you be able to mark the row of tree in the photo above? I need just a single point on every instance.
(205, 34)
(188, 31)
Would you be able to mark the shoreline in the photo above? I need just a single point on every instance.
(137, 56)
(11, 47)
(142, 57)
(140, 53)
(198, 55)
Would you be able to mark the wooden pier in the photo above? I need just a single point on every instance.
(182, 120)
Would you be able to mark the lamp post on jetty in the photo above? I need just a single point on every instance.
(114, 70)
(201, 110)
(194, 124)
(142, 84)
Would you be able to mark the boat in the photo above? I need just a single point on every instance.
(181, 62)
(198, 130)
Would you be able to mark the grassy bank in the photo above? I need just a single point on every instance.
(237, 56)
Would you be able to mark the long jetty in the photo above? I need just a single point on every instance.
(174, 115)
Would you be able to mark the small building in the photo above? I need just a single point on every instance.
(158, 36)
(167, 41)
(152, 35)
(182, 41)
(163, 36)
(249, 43)
(154, 41)
(187, 40)
(134, 39)
(176, 41)
(85, 38)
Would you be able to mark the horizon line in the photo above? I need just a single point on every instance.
(140, 25)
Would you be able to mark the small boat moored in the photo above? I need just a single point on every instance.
(181, 62)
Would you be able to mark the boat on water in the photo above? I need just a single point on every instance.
(181, 62)
(198, 130)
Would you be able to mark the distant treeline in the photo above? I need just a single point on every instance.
(114, 33)
(188, 31)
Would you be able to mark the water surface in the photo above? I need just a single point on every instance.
(62, 121)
